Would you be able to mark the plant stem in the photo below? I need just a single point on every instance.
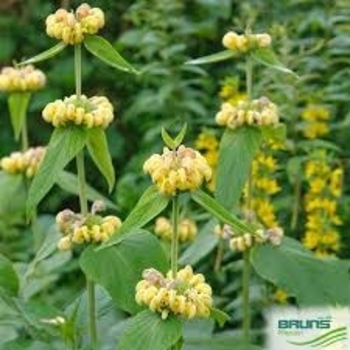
(90, 286)
(175, 238)
(82, 182)
(77, 69)
(245, 293)
(218, 257)
(246, 253)
(24, 134)
(249, 78)
(295, 212)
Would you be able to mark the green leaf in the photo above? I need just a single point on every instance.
(219, 316)
(215, 208)
(294, 168)
(98, 148)
(216, 57)
(174, 143)
(151, 203)
(268, 58)
(219, 342)
(147, 331)
(237, 150)
(8, 277)
(18, 105)
(119, 268)
(103, 50)
(202, 246)
(53, 51)
(300, 273)
(64, 145)
(69, 183)
(277, 133)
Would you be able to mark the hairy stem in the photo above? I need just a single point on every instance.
(24, 134)
(175, 238)
(90, 286)
(295, 212)
(77, 69)
(246, 253)
(245, 293)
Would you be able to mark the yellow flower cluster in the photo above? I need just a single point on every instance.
(96, 111)
(26, 162)
(182, 169)
(229, 91)
(324, 189)
(260, 112)
(71, 27)
(246, 42)
(316, 119)
(21, 79)
(208, 144)
(241, 242)
(187, 229)
(264, 185)
(187, 295)
(77, 229)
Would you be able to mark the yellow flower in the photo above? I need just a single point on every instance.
(187, 295)
(187, 230)
(264, 211)
(71, 28)
(21, 79)
(316, 118)
(183, 169)
(207, 141)
(77, 229)
(96, 111)
(260, 112)
(26, 162)
(280, 296)
(243, 43)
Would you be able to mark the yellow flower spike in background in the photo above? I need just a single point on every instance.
(230, 93)
(79, 229)
(71, 27)
(316, 119)
(187, 229)
(182, 169)
(264, 184)
(188, 295)
(26, 163)
(208, 144)
(324, 188)
(96, 111)
(21, 79)
(260, 112)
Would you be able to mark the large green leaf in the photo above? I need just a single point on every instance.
(53, 51)
(147, 331)
(148, 207)
(65, 144)
(202, 246)
(268, 58)
(301, 274)
(8, 277)
(18, 105)
(103, 50)
(237, 150)
(69, 183)
(98, 148)
(219, 342)
(215, 208)
(119, 268)
(213, 58)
